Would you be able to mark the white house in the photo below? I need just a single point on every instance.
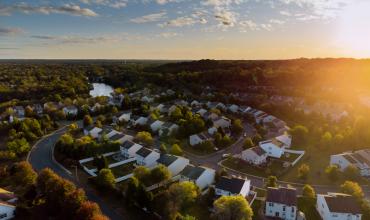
(244, 109)
(92, 131)
(156, 125)
(140, 120)
(70, 110)
(7, 210)
(147, 99)
(201, 176)
(286, 139)
(231, 186)
(37, 109)
(121, 138)
(108, 133)
(129, 149)
(125, 116)
(233, 108)
(212, 130)
(199, 138)
(255, 155)
(19, 111)
(160, 107)
(168, 128)
(181, 102)
(210, 116)
(175, 164)
(146, 157)
(281, 203)
(337, 206)
(222, 122)
(201, 112)
(273, 147)
(195, 103)
(359, 159)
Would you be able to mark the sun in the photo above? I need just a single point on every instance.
(354, 30)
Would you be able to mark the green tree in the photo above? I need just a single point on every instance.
(142, 173)
(232, 207)
(308, 191)
(176, 150)
(87, 121)
(303, 171)
(106, 179)
(24, 175)
(100, 162)
(90, 210)
(163, 148)
(248, 143)
(237, 126)
(160, 173)
(183, 194)
(299, 133)
(352, 188)
(271, 181)
(144, 137)
(351, 172)
(19, 146)
(333, 172)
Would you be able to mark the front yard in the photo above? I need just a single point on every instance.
(123, 169)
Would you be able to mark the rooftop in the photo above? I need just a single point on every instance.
(128, 144)
(167, 159)
(282, 195)
(144, 152)
(233, 185)
(192, 172)
(342, 203)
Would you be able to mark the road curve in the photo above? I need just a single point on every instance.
(41, 156)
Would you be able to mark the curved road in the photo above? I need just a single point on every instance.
(41, 156)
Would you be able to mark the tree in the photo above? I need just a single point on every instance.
(176, 150)
(299, 133)
(351, 172)
(257, 138)
(271, 181)
(333, 172)
(183, 194)
(136, 193)
(145, 137)
(163, 148)
(303, 171)
(142, 173)
(100, 162)
(160, 173)
(87, 120)
(308, 191)
(176, 114)
(237, 126)
(106, 179)
(23, 174)
(232, 207)
(19, 146)
(88, 211)
(326, 139)
(248, 143)
(352, 188)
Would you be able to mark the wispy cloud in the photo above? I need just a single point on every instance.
(110, 3)
(77, 39)
(64, 9)
(168, 35)
(5, 31)
(149, 18)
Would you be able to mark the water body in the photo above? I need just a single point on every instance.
(101, 89)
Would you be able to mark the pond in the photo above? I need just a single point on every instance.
(101, 89)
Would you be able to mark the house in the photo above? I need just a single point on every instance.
(255, 155)
(181, 102)
(97, 106)
(222, 122)
(160, 107)
(210, 116)
(92, 131)
(121, 138)
(170, 92)
(201, 176)
(195, 103)
(37, 109)
(171, 109)
(281, 203)
(218, 105)
(359, 159)
(168, 128)
(275, 146)
(286, 139)
(7, 210)
(108, 132)
(125, 116)
(199, 138)
(129, 148)
(201, 111)
(147, 99)
(70, 110)
(232, 186)
(156, 125)
(140, 120)
(244, 109)
(19, 112)
(212, 130)
(175, 164)
(339, 206)
(233, 108)
(146, 157)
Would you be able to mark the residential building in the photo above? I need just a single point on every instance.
(125, 116)
(201, 112)
(140, 120)
(92, 131)
(19, 112)
(121, 138)
(156, 125)
(168, 128)
(147, 157)
(7, 211)
(275, 146)
(281, 203)
(222, 122)
(199, 138)
(337, 206)
(129, 148)
(255, 155)
(232, 186)
(201, 176)
(70, 110)
(359, 159)
(175, 164)
(233, 108)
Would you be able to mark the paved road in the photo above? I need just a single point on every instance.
(41, 157)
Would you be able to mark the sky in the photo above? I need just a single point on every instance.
(184, 29)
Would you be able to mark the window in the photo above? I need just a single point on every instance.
(284, 208)
(3, 215)
(292, 209)
(271, 204)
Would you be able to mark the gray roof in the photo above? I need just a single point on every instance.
(282, 195)
(116, 137)
(192, 172)
(343, 204)
(233, 185)
(144, 152)
(167, 159)
(128, 144)
(258, 150)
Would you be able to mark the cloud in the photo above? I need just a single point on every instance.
(77, 39)
(226, 18)
(276, 21)
(110, 3)
(248, 25)
(168, 35)
(149, 18)
(64, 9)
(179, 22)
(4, 31)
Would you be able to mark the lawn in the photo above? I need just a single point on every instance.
(260, 192)
(256, 206)
(123, 170)
(242, 166)
(307, 206)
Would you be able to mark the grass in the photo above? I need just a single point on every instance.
(242, 166)
(260, 192)
(198, 210)
(123, 170)
(256, 206)
(307, 206)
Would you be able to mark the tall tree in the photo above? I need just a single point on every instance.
(232, 208)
